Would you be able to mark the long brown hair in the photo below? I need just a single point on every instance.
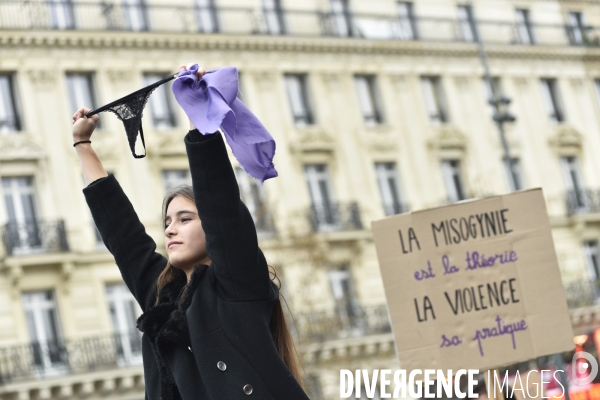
(280, 332)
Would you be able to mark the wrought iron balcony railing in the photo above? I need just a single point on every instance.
(583, 293)
(59, 357)
(582, 201)
(329, 325)
(119, 16)
(335, 217)
(34, 237)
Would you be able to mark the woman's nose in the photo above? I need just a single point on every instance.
(170, 230)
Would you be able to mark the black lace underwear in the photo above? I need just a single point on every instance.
(129, 110)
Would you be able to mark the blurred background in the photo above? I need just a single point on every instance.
(378, 107)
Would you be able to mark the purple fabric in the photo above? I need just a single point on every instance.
(212, 102)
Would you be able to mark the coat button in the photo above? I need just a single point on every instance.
(190, 349)
(248, 389)
(221, 365)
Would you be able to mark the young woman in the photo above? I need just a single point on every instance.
(212, 320)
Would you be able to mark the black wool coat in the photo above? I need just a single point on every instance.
(215, 342)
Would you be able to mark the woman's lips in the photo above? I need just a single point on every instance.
(173, 244)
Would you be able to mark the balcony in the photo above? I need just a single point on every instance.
(331, 325)
(335, 217)
(115, 16)
(582, 201)
(66, 357)
(583, 293)
(34, 237)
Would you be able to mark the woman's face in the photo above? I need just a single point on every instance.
(185, 239)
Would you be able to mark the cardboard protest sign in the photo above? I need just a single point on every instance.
(473, 285)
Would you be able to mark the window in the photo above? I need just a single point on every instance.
(434, 99)
(298, 96)
(577, 28)
(452, 176)
(465, 23)
(406, 27)
(206, 16)
(161, 103)
(123, 313)
(254, 196)
(136, 15)
(592, 259)
(514, 177)
(23, 228)
(274, 16)
(346, 303)
(176, 177)
(524, 28)
(389, 187)
(342, 18)
(61, 12)
(369, 99)
(43, 325)
(324, 209)
(576, 193)
(552, 100)
(81, 90)
(597, 83)
(9, 117)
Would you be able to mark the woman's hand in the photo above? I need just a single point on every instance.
(199, 74)
(83, 127)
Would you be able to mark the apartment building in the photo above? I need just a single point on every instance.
(377, 108)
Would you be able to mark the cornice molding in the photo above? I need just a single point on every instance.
(177, 41)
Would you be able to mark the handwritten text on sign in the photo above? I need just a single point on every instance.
(473, 285)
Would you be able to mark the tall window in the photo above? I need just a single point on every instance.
(465, 23)
(124, 313)
(299, 101)
(453, 181)
(577, 28)
(434, 99)
(389, 187)
(176, 177)
(324, 208)
(346, 303)
(136, 15)
(552, 100)
(61, 12)
(592, 259)
(274, 16)
(161, 103)
(369, 99)
(254, 196)
(206, 16)
(524, 27)
(81, 90)
(597, 84)
(342, 17)
(514, 176)
(43, 325)
(21, 207)
(576, 194)
(9, 116)
(407, 26)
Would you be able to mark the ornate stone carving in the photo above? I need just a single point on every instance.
(20, 146)
(448, 137)
(312, 139)
(43, 78)
(265, 80)
(333, 81)
(566, 136)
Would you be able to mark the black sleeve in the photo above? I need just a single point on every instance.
(126, 238)
(239, 265)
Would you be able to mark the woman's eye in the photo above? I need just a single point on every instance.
(185, 219)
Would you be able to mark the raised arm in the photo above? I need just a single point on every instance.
(231, 242)
(122, 232)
